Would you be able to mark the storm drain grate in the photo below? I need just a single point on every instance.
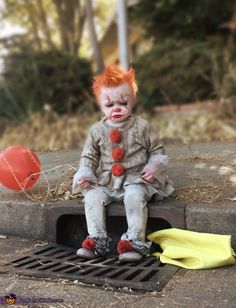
(61, 262)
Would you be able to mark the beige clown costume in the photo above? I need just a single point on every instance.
(112, 159)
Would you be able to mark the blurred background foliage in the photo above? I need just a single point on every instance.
(183, 52)
(182, 19)
(192, 50)
(32, 79)
(184, 72)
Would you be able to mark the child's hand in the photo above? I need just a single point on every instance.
(147, 176)
(150, 171)
(84, 183)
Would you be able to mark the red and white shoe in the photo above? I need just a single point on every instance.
(93, 248)
(126, 252)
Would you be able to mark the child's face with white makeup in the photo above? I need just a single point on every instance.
(116, 102)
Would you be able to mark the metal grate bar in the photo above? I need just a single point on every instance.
(21, 264)
(44, 268)
(34, 265)
(74, 270)
(54, 253)
(61, 268)
(118, 273)
(148, 276)
(109, 261)
(97, 260)
(21, 259)
(133, 274)
(89, 270)
(44, 250)
(148, 263)
(103, 272)
(64, 255)
(77, 259)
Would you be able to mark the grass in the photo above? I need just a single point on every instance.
(47, 131)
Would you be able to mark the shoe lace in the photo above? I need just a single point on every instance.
(102, 246)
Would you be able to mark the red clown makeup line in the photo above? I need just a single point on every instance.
(123, 99)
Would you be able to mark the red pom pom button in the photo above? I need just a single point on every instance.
(115, 136)
(117, 169)
(118, 154)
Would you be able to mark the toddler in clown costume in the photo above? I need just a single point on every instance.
(122, 160)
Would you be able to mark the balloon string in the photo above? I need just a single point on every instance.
(45, 171)
(33, 158)
(38, 165)
(23, 184)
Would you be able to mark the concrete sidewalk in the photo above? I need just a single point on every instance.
(205, 179)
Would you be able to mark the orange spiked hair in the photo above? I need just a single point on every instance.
(113, 76)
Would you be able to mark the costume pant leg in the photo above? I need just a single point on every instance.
(135, 201)
(95, 201)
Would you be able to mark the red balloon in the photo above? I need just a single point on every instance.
(19, 168)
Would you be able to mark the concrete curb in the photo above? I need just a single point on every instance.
(214, 218)
(23, 218)
(30, 219)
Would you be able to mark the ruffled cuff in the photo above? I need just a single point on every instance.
(159, 159)
(158, 164)
(83, 172)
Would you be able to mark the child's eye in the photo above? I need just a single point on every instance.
(123, 103)
(109, 105)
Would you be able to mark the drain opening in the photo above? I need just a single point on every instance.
(71, 229)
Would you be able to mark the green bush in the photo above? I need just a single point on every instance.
(176, 72)
(33, 79)
(182, 19)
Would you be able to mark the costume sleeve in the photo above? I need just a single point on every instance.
(89, 162)
(154, 146)
(158, 161)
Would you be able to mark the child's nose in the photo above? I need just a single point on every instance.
(117, 110)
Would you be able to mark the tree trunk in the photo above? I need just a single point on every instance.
(61, 23)
(93, 37)
(80, 18)
(44, 23)
(71, 22)
(31, 11)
